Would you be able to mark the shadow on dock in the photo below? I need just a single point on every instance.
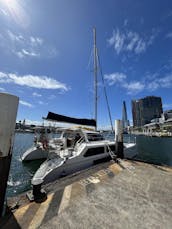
(9, 221)
(130, 195)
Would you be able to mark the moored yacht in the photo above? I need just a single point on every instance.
(83, 149)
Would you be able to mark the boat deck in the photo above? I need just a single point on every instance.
(131, 195)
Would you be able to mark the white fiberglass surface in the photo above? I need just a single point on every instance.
(47, 166)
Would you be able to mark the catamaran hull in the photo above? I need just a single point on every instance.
(55, 168)
(34, 153)
(69, 166)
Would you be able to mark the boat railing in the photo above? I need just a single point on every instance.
(79, 142)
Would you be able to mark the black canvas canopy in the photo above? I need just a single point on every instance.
(61, 118)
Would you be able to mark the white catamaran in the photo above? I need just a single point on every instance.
(80, 148)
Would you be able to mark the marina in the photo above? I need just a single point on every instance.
(85, 143)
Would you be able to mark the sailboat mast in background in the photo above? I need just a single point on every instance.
(95, 76)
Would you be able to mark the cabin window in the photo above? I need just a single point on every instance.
(94, 151)
(68, 135)
(95, 137)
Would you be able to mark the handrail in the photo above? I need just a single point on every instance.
(79, 142)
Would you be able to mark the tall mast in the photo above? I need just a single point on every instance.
(95, 76)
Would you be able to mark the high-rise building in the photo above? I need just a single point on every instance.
(146, 109)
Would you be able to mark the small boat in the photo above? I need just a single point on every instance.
(83, 149)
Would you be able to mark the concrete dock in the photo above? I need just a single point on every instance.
(131, 194)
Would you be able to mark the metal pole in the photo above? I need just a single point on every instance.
(95, 75)
(119, 139)
(8, 112)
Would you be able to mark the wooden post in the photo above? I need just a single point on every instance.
(8, 112)
(119, 139)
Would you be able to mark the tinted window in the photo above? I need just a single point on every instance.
(95, 137)
(94, 151)
(68, 135)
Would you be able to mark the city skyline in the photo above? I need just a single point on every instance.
(46, 56)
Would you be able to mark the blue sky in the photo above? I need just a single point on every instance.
(45, 50)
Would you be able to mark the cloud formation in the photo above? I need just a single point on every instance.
(2, 89)
(33, 81)
(130, 41)
(115, 77)
(3, 12)
(135, 87)
(36, 94)
(26, 46)
(24, 103)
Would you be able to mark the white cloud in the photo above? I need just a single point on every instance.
(133, 39)
(115, 77)
(3, 12)
(4, 78)
(117, 41)
(24, 103)
(130, 41)
(25, 53)
(32, 81)
(161, 82)
(42, 103)
(134, 87)
(141, 47)
(152, 37)
(36, 94)
(152, 86)
(36, 41)
(26, 46)
(150, 83)
(19, 54)
(121, 79)
(165, 82)
(14, 37)
(2, 89)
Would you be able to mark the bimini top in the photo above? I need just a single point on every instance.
(61, 118)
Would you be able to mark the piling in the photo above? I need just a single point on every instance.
(38, 194)
(8, 112)
(119, 138)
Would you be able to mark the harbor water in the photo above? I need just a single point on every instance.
(151, 149)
